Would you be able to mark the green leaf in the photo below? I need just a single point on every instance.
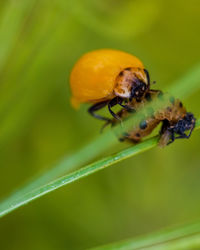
(184, 237)
(13, 203)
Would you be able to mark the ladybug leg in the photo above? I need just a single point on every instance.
(92, 110)
(111, 104)
(127, 107)
(115, 101)
(151, 93)
(156, 91)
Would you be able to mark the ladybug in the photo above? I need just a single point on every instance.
(174, 118)
(108, 77)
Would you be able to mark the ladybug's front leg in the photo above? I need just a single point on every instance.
(97, 106)
(113, 103)
(118, 100)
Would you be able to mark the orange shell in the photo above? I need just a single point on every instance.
(93, 76)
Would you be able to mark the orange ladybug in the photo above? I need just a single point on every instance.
(108, 77)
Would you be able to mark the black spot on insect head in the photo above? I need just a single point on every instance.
(121, 73)
(180, 104)
(143, 124)
(137, 134)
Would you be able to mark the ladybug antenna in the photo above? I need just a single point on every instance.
(148, 76)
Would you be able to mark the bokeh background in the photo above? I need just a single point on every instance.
(40, 40)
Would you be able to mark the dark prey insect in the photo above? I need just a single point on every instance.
(176, 122)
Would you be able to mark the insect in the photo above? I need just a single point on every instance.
(176, 121)
(108, 77)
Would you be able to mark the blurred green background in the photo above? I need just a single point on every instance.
(40, 41)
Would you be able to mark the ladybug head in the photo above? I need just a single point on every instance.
(132, 83)
(138, 89)
(140, 86)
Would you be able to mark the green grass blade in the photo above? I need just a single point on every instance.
(183, 237)
(68, 163)
(7, 207)
(12, 204)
